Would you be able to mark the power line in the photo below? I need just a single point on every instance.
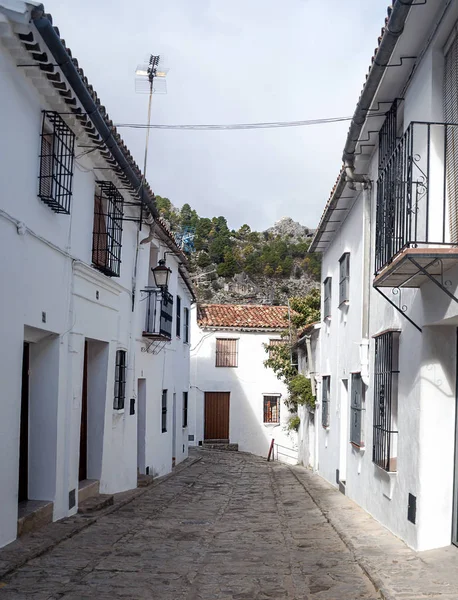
(233, 126)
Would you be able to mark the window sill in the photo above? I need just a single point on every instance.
(344, 304)
(271, 424)
(119, 411)
(358, 447)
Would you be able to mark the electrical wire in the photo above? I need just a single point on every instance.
(238, 126)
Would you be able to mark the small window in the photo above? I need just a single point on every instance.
(120, 380)
(164, 411)
(271, 409)
(186, 325)
(325, 400)
(272, 343)
(386, 370)
(327, 297)
(56, 163)
(107, 232)
(344, 278)
(357, 410)
(226, 353)
(185, 409)
(178, 318)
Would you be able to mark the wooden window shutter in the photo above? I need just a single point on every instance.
(450, 98)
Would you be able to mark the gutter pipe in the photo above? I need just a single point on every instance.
(393, 31)
(62, 58)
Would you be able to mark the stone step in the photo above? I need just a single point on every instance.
(144, 480)
(87, 488)
(32, 515)
(95, 503)
(221, 447)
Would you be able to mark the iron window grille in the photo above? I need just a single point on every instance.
(120, 380)
(185, 409)
(388, 135)
(178, 317)
(327, 284)
(272, 344)
(159, 313)
(344, 278)
(164, 412)
(271, 409)
(107, 232)
(186, 325)
(56, 163)
(356, 410)
(384, 450)
(226, 353)
(325, 400)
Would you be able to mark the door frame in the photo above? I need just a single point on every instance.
(23, 463)
(455, 467)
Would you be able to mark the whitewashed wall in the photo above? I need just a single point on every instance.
(247, 384)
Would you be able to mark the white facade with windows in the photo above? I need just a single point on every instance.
(82, 375)
(227, 365)
(389, 352)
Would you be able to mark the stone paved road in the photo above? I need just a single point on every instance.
(230, 527)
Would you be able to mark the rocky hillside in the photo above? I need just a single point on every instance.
(244, 266)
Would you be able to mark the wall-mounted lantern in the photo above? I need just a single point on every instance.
(161, 275)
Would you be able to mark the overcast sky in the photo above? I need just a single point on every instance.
(232, 61)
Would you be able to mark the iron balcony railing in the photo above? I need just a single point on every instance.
(159, 314)
(417, 192)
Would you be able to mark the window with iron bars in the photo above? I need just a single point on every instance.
(164, 412)
(271, 409)
(325, 400)
(178, 317)
(226, 352)
(186, 326)
(327, 284)
(120, 380)
(356, 410)
(185, 409)
(56, 163)
(384, 449)
(344, 278)
(107, 232)
(272, 344)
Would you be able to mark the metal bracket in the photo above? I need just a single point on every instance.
(398, 309)
(154, 347)
(439, 284)
(399, 64)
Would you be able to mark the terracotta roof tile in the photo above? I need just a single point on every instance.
(242, 316)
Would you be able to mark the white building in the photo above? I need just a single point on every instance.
(234, 397)
(82, 370)
(387, 361)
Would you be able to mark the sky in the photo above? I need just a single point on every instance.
(231, 61)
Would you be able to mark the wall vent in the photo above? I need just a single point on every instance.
(337, 476)
(71, 498)
(191, 437)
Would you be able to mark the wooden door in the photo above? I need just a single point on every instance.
(216, 416)
(83, 430)
(24, 429)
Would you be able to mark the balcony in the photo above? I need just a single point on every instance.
(159, 314)
(417, 207)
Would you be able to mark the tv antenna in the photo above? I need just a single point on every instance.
(150, 79)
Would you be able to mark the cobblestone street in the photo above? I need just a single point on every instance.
(231, 526)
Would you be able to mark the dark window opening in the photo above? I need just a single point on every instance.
(120, 380)
(325, 400)
(271, 409)
(107, 232)
(56, 163)
(226, 353)
(327, 297)
(186, 325)
(384, 451)
(344, 278)
(185, 409)
(164, 412)
(178, 317)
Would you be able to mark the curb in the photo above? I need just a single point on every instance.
(83, 522)
(361, 560)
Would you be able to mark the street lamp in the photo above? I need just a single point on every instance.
(161, 275)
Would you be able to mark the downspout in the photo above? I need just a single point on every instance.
(63, 59)
(393, 30)
(365, 320)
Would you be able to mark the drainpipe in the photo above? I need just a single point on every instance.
(63, 59)
(365, 322)
(393, 30)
